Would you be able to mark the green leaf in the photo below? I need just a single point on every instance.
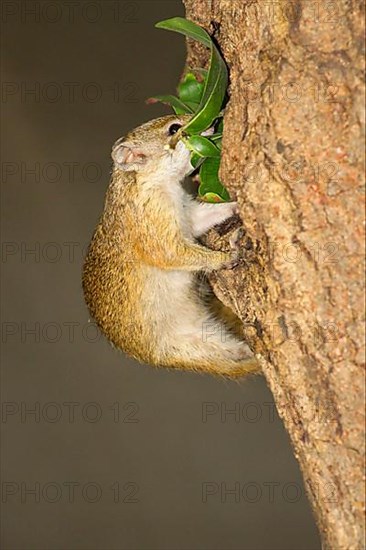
(196, 160)
(211, 197)
(217, 77)
(179, 106)
(190, 90)
(217, 139)
(193, 106)
(186, 27)
(202, 146)
(212, 96)
(199, 70)
(204, 102)
(210, 181)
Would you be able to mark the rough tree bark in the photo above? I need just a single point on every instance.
(293, 158)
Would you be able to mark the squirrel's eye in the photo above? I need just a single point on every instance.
(173, 129)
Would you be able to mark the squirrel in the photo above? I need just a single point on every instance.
(140, 272)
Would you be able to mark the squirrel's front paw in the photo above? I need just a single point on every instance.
(227, 260)
(234, 260)
(235, 248)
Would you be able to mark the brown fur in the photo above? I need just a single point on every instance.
(139, 273)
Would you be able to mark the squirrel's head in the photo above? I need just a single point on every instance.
(154, 146)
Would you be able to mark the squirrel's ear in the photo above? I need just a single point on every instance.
(128, 156)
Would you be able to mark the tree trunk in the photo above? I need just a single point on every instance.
(293, 158)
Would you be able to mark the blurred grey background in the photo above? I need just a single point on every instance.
(98, 451)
